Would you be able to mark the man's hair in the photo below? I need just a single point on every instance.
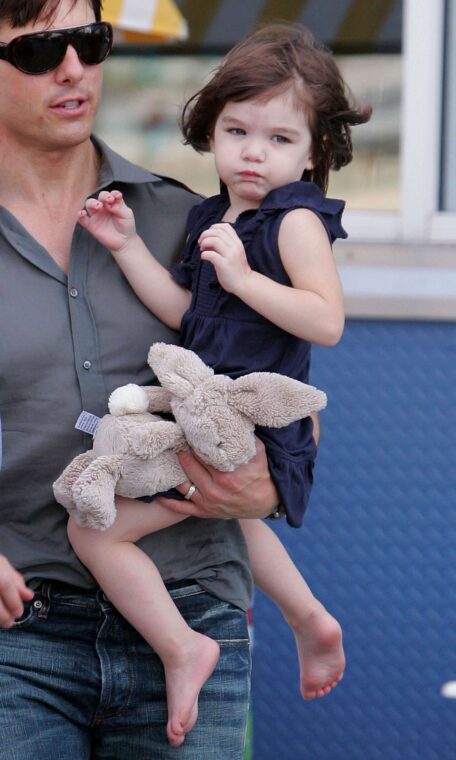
(266, 63)
(21, 12)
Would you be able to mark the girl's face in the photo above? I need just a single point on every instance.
(260, 145)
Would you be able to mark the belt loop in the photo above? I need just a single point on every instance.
(43, 605)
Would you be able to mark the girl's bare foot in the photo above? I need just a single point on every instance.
(186, 673)
(320, 651)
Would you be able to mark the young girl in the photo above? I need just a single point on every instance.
(256, 286)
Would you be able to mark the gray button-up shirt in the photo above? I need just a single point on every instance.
(65, 343)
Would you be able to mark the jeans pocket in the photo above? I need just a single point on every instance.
(27, 618)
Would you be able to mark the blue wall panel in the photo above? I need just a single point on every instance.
(378, 548)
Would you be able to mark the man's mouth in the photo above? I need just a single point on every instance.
(71, 104)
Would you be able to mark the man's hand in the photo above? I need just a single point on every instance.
(13, 592)
(248, 492)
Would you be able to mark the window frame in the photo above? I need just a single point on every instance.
(419, 219)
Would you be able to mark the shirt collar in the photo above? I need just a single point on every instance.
(115, 168)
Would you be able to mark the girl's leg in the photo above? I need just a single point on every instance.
(318, 635)
(133, 584)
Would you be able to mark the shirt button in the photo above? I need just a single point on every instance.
(87, 364)
(37, 604)
(74, 292)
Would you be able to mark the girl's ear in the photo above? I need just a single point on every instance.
(309, 167)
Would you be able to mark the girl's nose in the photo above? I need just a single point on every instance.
(253, 151)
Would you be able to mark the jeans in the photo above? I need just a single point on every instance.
(78, 682)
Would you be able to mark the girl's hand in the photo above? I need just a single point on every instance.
(13, 592)
(109, 220)
(222, 247)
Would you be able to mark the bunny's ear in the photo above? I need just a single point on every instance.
(178, 369)
(268, 398)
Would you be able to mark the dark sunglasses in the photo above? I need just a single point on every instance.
(43, 51)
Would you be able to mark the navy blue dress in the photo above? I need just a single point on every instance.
(234, 339)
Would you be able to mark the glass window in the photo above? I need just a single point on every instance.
(372, 180)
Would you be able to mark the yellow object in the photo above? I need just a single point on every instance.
(146, 20)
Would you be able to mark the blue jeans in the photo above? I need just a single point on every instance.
(78, 682)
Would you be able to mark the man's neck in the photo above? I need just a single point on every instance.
(47, 177)
(45, 191)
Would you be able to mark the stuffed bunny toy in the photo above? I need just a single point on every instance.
(135, 452)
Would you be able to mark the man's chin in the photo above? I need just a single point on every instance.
(69, 138)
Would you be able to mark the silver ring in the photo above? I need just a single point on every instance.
(190, 491)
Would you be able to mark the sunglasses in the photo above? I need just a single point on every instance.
(43, 51)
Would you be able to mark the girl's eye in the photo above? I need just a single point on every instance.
(280, 139)
(236, 131)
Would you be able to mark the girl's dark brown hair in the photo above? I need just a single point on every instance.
(21, 12)
(268, 62)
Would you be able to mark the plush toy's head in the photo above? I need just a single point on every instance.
(217, 414)
(213, 427)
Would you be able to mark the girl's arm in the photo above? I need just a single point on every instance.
(313, 307)
(152, 283)
(112, 223)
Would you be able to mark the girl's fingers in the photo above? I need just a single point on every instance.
(106, 201)
(213, 243)
(214, 234)
(92, 205)
(211, 256)
(110, 196)
(117, 195)
(224, 230)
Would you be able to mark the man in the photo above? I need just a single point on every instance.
(76, 681)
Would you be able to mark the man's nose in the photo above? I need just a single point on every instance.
(71, 68)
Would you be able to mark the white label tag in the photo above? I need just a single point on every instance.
(87, 422)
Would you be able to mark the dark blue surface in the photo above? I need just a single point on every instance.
(378, 548)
